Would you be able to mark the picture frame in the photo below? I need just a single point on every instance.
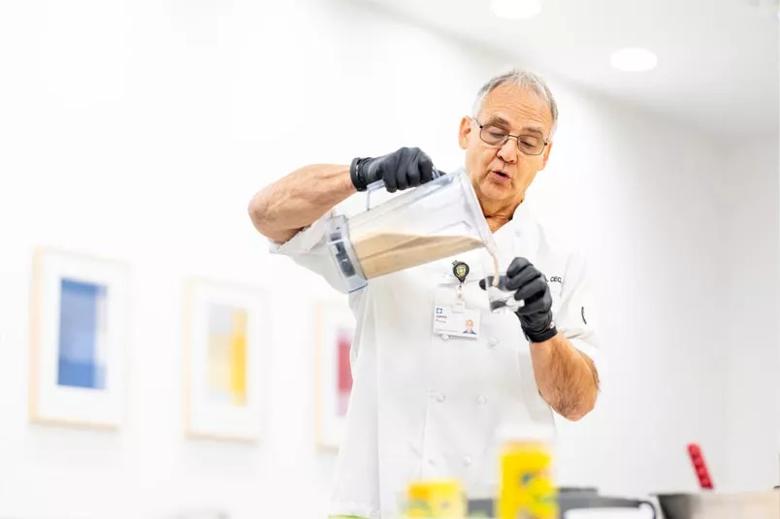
(227, 333)
(334, 335)
(79, 312)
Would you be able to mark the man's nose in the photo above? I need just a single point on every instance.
(508, 152)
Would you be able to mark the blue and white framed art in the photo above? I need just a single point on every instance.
(78, 330)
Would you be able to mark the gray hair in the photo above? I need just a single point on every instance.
(523, 79)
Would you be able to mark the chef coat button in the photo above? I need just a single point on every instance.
(482, 400)
(441, 397)
(492, 342)
(444, 337)
(431, 462)
(467, 461)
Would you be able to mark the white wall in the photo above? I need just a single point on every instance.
(139, 130)
(753, 375)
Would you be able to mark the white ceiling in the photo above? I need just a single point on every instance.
(718, 59)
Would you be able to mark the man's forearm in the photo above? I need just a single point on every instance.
(283, 208)
(567, 379)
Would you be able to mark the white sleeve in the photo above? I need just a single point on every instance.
(575, 318)
(308, 248)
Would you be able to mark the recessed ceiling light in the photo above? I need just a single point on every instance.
(516, 9)
(634, 59)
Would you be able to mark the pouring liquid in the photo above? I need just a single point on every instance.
(494, 255)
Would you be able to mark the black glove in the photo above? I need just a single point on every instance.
(530, 286)
(407, 167)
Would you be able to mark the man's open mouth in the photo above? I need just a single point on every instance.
(501, 174)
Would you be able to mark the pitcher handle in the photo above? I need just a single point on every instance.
(381, 183)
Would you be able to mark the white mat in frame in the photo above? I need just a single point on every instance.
(334, 333)
(227, 334)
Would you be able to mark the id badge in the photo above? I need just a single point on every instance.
(455, 320)
(451, 316)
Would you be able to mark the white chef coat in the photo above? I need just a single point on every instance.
(425, 406)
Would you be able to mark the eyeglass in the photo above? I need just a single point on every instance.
(528, 143)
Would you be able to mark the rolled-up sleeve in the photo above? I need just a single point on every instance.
(576, 315)
(308, 248)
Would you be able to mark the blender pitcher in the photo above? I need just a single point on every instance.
(433, 221)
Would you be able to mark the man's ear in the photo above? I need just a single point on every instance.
(463, 132)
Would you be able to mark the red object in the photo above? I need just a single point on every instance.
(344, 379)
(699, 466)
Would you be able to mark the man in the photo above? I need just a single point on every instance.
(426, 405)
(469, 327)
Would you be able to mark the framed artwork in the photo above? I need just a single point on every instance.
(78, 333)
(227, 331)
(335, 330)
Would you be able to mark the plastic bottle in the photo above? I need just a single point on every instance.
(526, 489)
(440, 499)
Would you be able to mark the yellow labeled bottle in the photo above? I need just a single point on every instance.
(526, 489)
(442, 499)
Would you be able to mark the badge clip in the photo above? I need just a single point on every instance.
(460, 270)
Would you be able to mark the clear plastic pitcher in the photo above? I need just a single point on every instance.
(436, 220)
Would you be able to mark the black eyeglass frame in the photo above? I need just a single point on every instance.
(507, 137)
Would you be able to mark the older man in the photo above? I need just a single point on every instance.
(426, 404)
